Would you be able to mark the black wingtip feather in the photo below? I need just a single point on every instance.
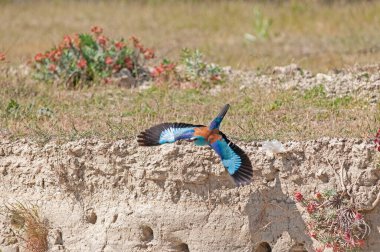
(243, 176)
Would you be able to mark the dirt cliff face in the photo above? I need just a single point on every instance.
(116, 196)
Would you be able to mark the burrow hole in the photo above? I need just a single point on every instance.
(146, 234)
(263, 247)
(182, 247)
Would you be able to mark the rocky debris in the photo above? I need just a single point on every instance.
(360, 81)
(116, 196)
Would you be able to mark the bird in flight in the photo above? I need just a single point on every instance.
(233, 158)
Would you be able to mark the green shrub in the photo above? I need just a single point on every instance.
(83, 58)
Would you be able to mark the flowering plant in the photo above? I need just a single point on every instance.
(334, 221)
(166, 73)
(86, 57)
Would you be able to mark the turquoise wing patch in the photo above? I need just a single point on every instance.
(234, 160)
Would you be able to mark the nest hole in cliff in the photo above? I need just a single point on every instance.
(182, 247)
(146, 234)
(91, 216)
(263, 247)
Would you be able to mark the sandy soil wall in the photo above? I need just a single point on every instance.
(116, 196)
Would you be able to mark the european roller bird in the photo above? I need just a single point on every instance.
(233, 158)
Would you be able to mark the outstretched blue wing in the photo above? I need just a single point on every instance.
(166, 133)
(219, 118)
(234, 160)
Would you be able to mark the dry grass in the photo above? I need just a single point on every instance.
(316, 36)
(32, 229)
(111, 112)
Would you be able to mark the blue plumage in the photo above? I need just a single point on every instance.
(230, 159)
(233, 158)
(172, 134)
(219, 118)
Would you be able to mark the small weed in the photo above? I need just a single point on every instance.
(191, 72)
(315, 92)
(334, 221)
(197, 70)
(276, 105)
(340, 101)
(26, 221)
(44, 113)
(261, 27)
(12, 108)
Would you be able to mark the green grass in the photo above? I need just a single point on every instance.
(314, 35)
(44, 112)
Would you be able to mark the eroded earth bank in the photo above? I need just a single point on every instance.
(116, 196)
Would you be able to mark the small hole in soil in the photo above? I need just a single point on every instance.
(114, 218)
(91, 216)
(146, 234)
(183, 247)
(263, 247)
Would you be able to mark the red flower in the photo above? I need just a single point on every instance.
(102, 40)
(318, 195)
(149, 54)
(2, 56)
(310, 208)
(96, 30)
(157, 71)
(58, 53)
(52, 68)
(39, 57)
(348, 238)
(119, 45)
(170, 67)
(51, 55)
(128, 62)
(108, 60)
(67, 40)
(298, 196)
(319, 249)
(313, 235)
(360, 243)
(82, 63)
(358, 216)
